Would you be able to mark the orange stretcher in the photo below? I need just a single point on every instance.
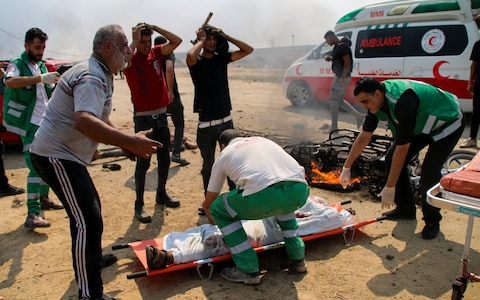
(460, 191)
(139, 248)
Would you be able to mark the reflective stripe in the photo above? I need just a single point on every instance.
(34, 180)
(26, 147)
(231, 228)
(240, 247)
(427, 128)
(286, 217)
(290, 233)
(229, 209)
(16, 106)
(14, 129)
(14, 112)
(449, 129)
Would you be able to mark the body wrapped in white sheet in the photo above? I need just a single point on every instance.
(206, 241)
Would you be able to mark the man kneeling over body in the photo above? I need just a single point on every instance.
(269, 183)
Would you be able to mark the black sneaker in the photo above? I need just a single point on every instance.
(395, 214)
(141, 215)
(108, 260)
(430, 231)
(168, 201)
(182, 161)
(11, 190)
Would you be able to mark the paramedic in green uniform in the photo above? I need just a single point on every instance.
(269, 182)
(419, 115)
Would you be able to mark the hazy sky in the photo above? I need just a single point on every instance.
(71, 24)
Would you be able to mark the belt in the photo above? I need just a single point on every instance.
(214, 122)
(155, 116)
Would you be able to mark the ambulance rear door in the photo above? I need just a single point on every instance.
(439, 53)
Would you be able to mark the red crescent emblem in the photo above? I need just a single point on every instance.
(297, 70)
(430, 41)
(436, 70)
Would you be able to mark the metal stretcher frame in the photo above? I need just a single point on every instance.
(139, 248)
(439, 197)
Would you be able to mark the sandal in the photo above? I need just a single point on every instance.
(157, 259)
(108, 260)
(112, 167)
(201, 211)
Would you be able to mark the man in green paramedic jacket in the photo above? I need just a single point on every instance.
(28, 86)
(419, 115)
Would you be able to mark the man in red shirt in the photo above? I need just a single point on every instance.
(149, 95)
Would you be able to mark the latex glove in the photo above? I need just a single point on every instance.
(50, 77)
(388, 197)
(346, 177)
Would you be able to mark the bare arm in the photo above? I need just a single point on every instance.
(360, 143)
(209, 198)
(194, 52)
(16, 82)
(170, 75)
(473, 72)
(102, 132)
(173, 41)
(244, 48)
(346, 65)
(136, 34)
(398, 161)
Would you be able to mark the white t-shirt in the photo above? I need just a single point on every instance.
(253, 164)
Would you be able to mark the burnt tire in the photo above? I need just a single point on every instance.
(300, 94)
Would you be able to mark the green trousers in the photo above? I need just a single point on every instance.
(36, 187)
(280, 200)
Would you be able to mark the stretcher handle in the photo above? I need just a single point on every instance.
(120, 246)
(137, 274)
(346, 202)
(381, 218)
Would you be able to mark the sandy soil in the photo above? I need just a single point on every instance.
(385, 260)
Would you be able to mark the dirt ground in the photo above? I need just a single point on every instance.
(385, 260)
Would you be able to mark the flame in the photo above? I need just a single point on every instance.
(332, 177)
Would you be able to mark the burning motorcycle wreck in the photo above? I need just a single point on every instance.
(323, 161)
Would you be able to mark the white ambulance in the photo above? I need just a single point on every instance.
(426, 40)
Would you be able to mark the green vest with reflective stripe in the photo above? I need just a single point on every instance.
(19, 103)
(438, 113)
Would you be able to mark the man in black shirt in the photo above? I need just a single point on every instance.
(208, 70)
(342, 62)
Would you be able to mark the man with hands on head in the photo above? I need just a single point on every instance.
(207, 61)
(419, 115)
(149, 95)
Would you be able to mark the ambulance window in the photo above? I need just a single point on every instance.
(398, 10)
(411, 41)
(436, 6)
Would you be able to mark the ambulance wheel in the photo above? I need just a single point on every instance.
(299, 94)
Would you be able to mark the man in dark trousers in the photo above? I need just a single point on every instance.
(148, 88)
(419, 115)
(342, 64)
(175, 108)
